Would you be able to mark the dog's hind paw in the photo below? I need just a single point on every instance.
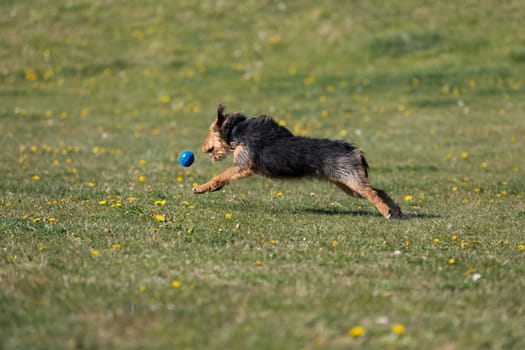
(396, 213)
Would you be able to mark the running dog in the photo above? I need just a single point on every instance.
(263, 147)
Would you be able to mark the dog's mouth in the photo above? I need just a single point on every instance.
(216, 156)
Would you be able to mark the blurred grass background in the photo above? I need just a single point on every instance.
(104, 246)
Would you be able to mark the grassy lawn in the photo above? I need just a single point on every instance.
(103, 245)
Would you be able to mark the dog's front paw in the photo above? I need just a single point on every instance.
(200, 189)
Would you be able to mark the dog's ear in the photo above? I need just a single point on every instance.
(221, 117)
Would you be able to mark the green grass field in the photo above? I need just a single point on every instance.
(103, 245)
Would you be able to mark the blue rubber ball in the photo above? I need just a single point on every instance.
(186, 158)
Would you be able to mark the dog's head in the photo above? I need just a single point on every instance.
(217, 143)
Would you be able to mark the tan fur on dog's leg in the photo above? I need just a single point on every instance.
(218, 182)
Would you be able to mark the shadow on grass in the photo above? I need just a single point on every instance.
(323, 211)
(294, 210)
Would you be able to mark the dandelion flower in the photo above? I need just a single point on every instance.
(309, 80)
(451, 261)
(274, 40)
(159, 218)
(37, 219)
(95, 252)
(176, 284)
(36, 177)
(142, 178)
(41, 248)
(160, 202)
(115, 246)
(102, 202)
(521, 247)
(408, 197)
(464, 155)
(357, 331)
(398, 329)
(258, 262)
(51, 220)
(228, 216)
(334, 243)
(484, 165)
(142, 288)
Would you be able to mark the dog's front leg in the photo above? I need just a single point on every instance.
(223, 179)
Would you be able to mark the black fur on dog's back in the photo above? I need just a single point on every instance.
(275, 152)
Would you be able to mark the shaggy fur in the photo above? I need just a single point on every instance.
(261, 146)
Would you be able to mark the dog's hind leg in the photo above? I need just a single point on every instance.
(218, 182)
(386, 206)
(348, 190)
(393, 209)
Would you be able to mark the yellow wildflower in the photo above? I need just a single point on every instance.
(398, 329)
(357, 331)
(176, 283)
